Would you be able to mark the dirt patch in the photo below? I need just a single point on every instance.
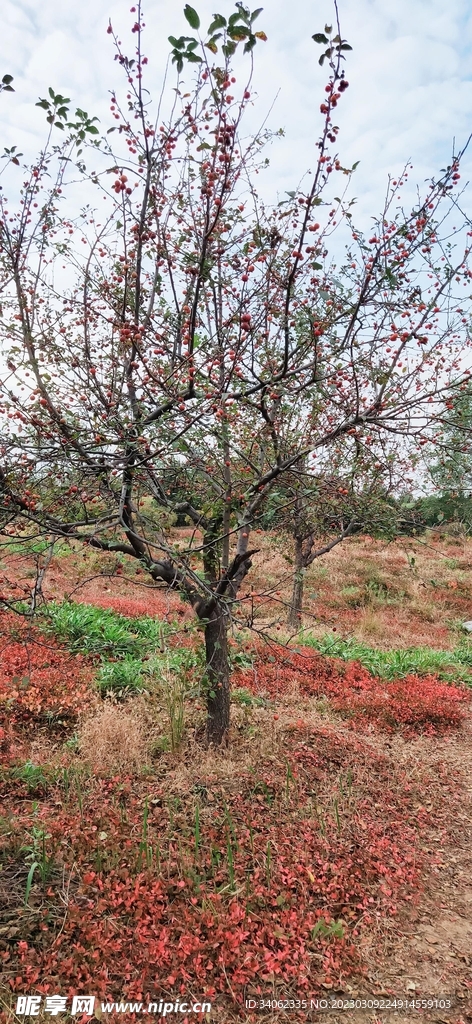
(429, 951)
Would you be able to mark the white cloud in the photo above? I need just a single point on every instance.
(410, 87)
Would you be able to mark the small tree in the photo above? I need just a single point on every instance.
(451, 457)
(321, 510)
(177, 320)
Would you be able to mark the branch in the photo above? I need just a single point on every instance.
(351, 528)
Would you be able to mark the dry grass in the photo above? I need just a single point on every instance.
(371, 624)
(114, 738)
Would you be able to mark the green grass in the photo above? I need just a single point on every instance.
(453, 666)
(92, 630)
(34, 546)
(121, 643)
(121, 677)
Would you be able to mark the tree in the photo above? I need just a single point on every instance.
(178, 320)
(321, 521)
(451, 465)
(321, 510)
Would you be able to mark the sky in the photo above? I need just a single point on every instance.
(410, 75)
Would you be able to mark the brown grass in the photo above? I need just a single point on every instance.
(112, 739)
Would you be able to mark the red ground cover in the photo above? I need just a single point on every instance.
(249, 904)
(415, 703)
(216, 921)
(37, 678)
(157, 604)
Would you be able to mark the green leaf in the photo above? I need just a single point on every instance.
(92, 129)
(328, 29)
(29, 880)
(238, 33)
(250, 44)
(7, 79)
(322, 59)
(177, 59)
(229, 49)
(319, 37)
(243, 12)
(218, 22)
(191, 16)
(178, 43)
(345, 46)
(193, 57)
(233, 19)
(255, 14)
(317, 266)
(192, 44)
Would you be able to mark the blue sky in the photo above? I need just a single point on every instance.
(410, 77)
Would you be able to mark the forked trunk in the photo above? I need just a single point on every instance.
(295, 610)
(218, 678)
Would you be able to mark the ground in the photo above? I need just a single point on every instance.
(326, 852)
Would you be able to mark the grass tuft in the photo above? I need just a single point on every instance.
(454, 666)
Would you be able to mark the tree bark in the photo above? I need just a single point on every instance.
(218, 677)
(296, 604)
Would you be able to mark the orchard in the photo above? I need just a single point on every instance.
(177, 324)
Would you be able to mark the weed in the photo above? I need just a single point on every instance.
(32, 775)
(72, 743)
(322, 930)
(173, 682)
(121, 677)
(230, 861)
(353, 596)
(288, 779)
(94, 630)
(241, 659)
(36, 853)
(246, 699)
(27, 546)
(197, 830)
(395, 664)
(144, 850)
(268, 864)
(336, 813)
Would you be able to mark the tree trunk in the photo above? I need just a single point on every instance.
(296, 604)
(218, 681)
